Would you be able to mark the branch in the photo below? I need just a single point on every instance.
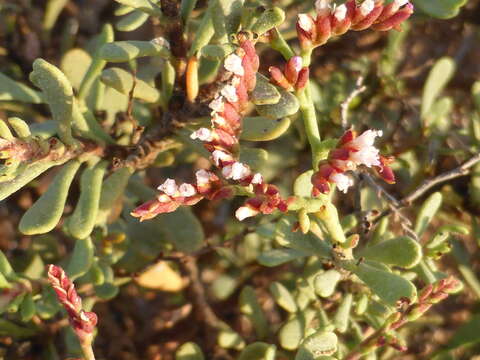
(357, 90)
(462, 170)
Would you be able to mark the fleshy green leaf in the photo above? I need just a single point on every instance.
(427, 212)
(112, 189)
(260, 128)
(277, 257)
(81, 258)
(438, 78)
(264, 92)
(269, 19)
(123, 51)
(258, 351)
(283, 297)
(325, 283)
(39, 220)
(29, 173)
(388, 286)
(189, 351)
(317, 345)
(342, 315)
(292, 332)
(58, 94)
(132, 21)
(400, 251)
(442, 9)
(286, 106)
(82, 221)
(250, 307)
(122, 81)
(226, 17)
(148, 6)
(11, 90)
(217, 52)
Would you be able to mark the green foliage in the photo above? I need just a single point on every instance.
(442, 9)
(58, 94)
(345, 265)
(38, 221)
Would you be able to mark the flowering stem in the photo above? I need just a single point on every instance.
(310, 122)
(87, 349)
(277, 42)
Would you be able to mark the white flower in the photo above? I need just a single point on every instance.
(400, 3)
(218, 120)
(244, 212)
(169, 187)
(161, 41)
(230, 93)
(342, 181)
(340, 12)
(187, 190)
(367, 7)
(366, 139)
(323, 7)
(217, 104)
(297, 63)
(236, 171)
(219, 155)
(257, 178)
(203, 134)
(233, 63)
(203, 177)
(366, 153)
(305, 22)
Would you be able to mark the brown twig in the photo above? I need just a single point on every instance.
(393, 204)
(459, 171)
(198, 296)
(357, 90)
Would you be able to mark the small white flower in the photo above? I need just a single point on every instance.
(367, 138)
(203, 177)
(169, 187)
(257, 178)
(203, 134)
(305, 22)
(219, 155)
(218, 120)
(366, 153)
(235, 81)
(400, 3)
(342, 181)
(230, 93)
(297, 63)
(367, 156)
(323, 7)
(161, 41)
(187, 190)
(367, 7)
(233, 63)
(236, 171)
(217, 104)
(244, 212)
(340, 12)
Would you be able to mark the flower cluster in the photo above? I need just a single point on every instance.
(221, 140)
(334, 20)
(432, 294)
(171, 196)
(293, 77)
(82, 322)
(351, 151)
